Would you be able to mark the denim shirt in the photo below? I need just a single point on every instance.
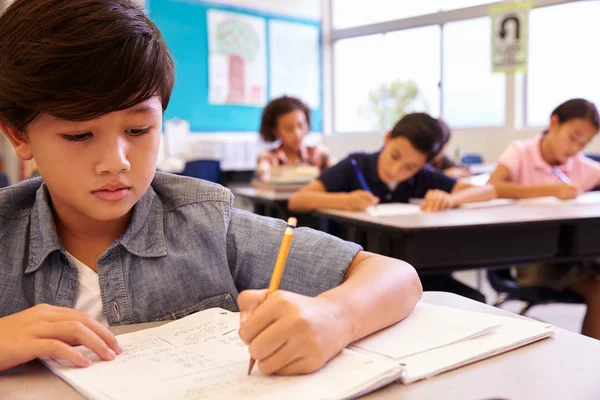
(186, 249)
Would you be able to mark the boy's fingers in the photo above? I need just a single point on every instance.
(76, 333)
(101, 331)
(61, 351)
(248, 301)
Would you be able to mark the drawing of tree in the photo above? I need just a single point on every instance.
(240, 42)
(389, 102)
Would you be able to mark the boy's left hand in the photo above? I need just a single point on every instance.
(291, 334)
(437, 200)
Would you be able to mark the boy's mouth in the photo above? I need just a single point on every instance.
(113, 192)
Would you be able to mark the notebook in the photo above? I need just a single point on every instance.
(585, 199)
(392, 209)
(202, 357)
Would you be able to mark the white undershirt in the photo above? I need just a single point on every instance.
(392, 186)
(89, 298)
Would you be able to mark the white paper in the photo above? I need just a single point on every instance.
(237, 58)
(294, 61)
(585, 199)
(202, 357)
(427, 327)
(512, 333)
(489, 203)
(392, 209)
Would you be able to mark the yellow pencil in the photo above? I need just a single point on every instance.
(284, 249)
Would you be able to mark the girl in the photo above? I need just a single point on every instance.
(287, 120)
(529, 169)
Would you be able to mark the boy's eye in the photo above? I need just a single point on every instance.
(78, 138)
(138, 132)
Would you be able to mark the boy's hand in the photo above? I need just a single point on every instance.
(437, 200)
(49, 331)
(360, 200)
(565, 192)
(291, 334)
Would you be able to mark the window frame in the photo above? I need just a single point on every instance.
(514, 96)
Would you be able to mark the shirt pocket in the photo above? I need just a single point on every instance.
(224, 301)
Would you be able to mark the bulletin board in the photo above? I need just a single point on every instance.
(230, 61)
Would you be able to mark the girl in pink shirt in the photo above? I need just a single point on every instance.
(526, 170)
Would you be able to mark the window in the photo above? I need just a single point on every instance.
(379, 78)
(351, 13)
(564, 61)
(472, 95)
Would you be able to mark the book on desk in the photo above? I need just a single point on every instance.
(202, 357)
(286, 178)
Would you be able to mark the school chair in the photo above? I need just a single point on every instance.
(593, 156)
(209, 170)
(471, 158)
(503, 282)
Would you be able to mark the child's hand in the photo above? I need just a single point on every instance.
(49, 331)
(437, 200)
(290, 334)
(566, 192)
(458, 172)
(360, 200)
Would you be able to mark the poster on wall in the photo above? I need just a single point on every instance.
(510, 28)
(237, 70)
(294, 60)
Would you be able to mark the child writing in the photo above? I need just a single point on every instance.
(396, 174)
(442, 162)
(287, 120)
(529, 169)
(102, 239)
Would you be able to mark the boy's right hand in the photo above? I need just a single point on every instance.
(49, 331)
(565, 192)
(360, 200)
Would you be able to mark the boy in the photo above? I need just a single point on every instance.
(395, 174)
(101, 239)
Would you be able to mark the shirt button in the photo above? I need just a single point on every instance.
(388, 196)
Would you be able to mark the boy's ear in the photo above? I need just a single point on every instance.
(387, 137)
(18, 141)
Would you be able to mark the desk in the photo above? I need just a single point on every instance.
(563, 367)
(274, 204)
(269, 204)
(474, 238)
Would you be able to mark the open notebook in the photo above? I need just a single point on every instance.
(202, 357)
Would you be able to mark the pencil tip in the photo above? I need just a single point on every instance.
(250, 366)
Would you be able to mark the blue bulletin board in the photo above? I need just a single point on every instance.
(184, 25)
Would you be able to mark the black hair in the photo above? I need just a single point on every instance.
(275, 109)
(577, 109)
(424, 132)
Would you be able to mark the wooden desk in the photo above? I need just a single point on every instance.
(475, 238)
(563, 367)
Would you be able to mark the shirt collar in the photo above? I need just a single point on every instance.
(282, 157)
(144, 236)
(541, 164)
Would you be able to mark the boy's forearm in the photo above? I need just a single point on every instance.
(378, 292)
(516, 191)
(312, 200)
(473, 194)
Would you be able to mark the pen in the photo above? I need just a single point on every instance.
(564, 179)
(360, 176)
(284, 249)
